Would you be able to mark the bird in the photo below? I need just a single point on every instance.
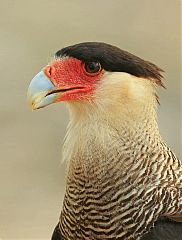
(123, 181)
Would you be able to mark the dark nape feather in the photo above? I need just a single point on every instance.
(165, 229)
(113, 59)
(56, 234)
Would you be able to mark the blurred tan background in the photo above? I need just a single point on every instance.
(31, 177)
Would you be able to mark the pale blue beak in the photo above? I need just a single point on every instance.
(38, 91)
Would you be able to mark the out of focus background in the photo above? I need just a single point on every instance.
(31, 176)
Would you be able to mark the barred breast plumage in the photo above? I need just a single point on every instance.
(119, 183)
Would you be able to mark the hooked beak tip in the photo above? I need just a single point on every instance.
(37, 91)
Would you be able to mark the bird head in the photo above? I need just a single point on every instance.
(94, 73)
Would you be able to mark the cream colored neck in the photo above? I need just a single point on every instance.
(131, 125)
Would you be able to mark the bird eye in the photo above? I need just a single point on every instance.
(92, 67)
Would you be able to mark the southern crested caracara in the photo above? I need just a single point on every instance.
(123, 181)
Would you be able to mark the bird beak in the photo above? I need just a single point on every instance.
(41, 91)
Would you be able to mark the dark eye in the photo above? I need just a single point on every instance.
(92, 67)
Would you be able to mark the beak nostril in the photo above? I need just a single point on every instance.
(49, 70)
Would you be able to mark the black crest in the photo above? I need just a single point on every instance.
(113, 59)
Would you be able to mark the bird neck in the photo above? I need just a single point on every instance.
(109, 128)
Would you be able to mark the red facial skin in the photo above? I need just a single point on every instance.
(68, 73)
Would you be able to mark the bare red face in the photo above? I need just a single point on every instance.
(74, 79)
